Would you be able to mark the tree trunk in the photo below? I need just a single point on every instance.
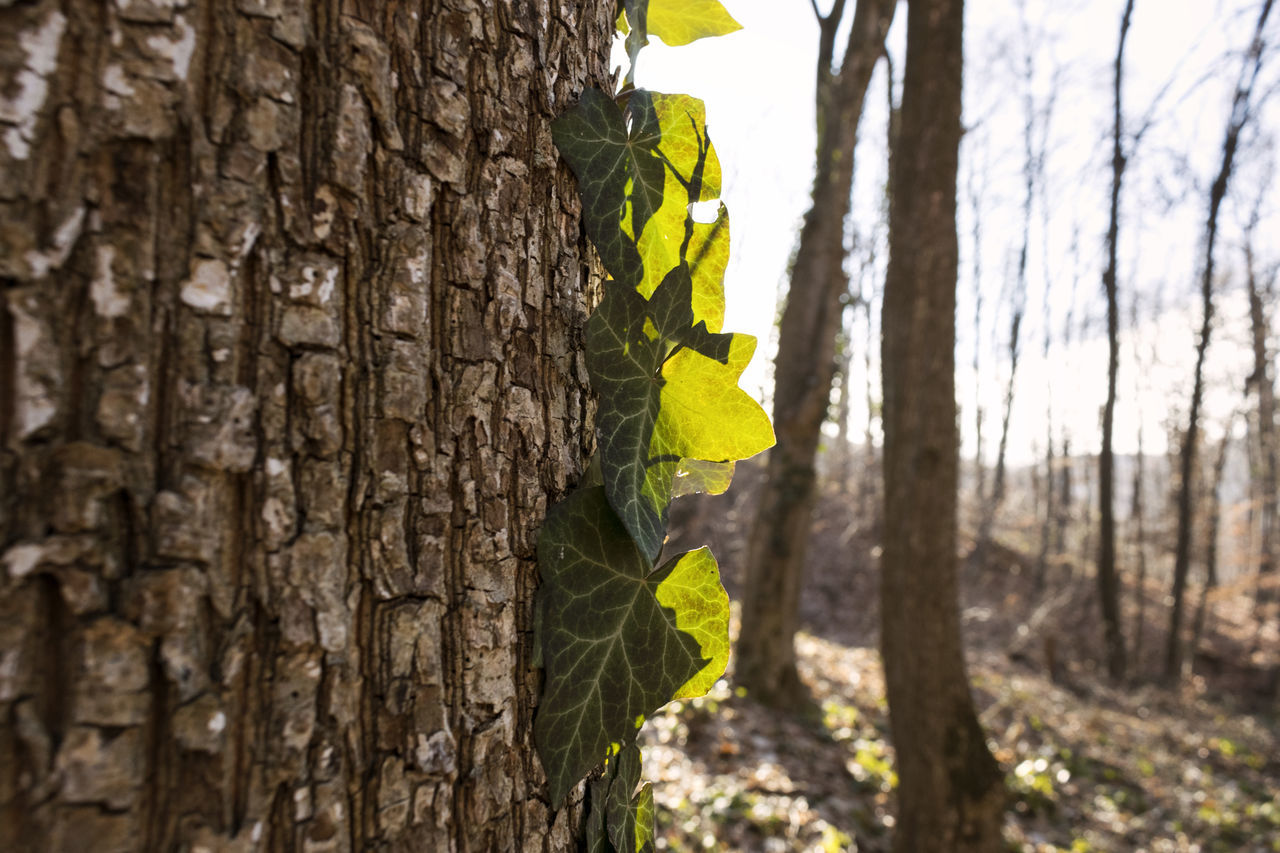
(1137, 515)
(1108, 580)
(1262, 382)
(1211, 541)
(1066, 496)
(976, 193)
(292, 301)
(804, 366)
(1182, 554)
(842, 469)
(950, 791)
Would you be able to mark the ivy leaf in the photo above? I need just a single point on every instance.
(597, 838)
(708, 256)
(620, 638)
(703, 413)
(620, 817)
(642, 806)
(696, 477)
(620, 174)
(679, 22)
(623, 363)
(692, 175)
(665, 399)
(618, 822)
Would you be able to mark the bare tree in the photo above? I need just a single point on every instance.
(1108, 581)
(950, 791)
(1240, 114)
(1214, 489)
(1032, 163)
(975, 194)
(805, 363)
(1261, 381)
(843, 457)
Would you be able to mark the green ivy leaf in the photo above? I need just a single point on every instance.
(620, 638)
(620, 817)
(679, 22)
(618, 822)
(642, 806)
(708, 256)
(597, 838)
(703, 413)
(668, 392)
(623, 362)
(692, 175)
(697, 477)
(620, 175)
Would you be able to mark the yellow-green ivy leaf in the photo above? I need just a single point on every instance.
(679, 22)
(619, 638)
(692, 591)
(642, 805)
(704, 414)
(698, 477)
(692, 174)
(617, 820)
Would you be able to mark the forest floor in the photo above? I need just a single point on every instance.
(1089, 766)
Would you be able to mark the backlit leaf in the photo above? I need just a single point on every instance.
(620, 638)
(696, 477)
(668, 392)
(679, 22)
(642, 805)
(692, 175)
(703, 412)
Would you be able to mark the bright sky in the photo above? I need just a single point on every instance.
(1183, 56)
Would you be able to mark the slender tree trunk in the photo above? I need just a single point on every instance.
(950, 791)
(1018, 309)
(1211, 541)
(1050, 491)
(290, 317)
(979, 465)
(870, 479)
(996, 499)
(1240, 112)
(1108, 579)
(1137, 515)
(1262, 382)
(1065, 497)
(805, 364)
(843, 467)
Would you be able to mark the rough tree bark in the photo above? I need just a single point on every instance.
(805, 363)
(1108, 581)
(950, 791)
(289, 331)
(1240, 112)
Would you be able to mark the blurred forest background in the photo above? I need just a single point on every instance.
(1117, 300)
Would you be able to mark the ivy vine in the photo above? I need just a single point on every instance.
(621, 632)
